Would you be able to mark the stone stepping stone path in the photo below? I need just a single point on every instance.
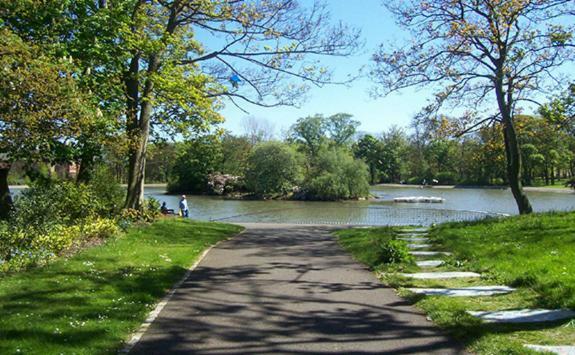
(560, 350)
(429, 263)
(414, 239)
(418, 246)
(524, 315)
(417, 240)
(428, 253)
(464, 291)
(441, 275)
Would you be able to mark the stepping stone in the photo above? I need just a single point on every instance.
(422, 229)
(560, 350)
(418, 246)
(414, 239)
(524, 315)
(430, 263)
(411, 233)
(464, 291)
(428, 253)
(441, 275)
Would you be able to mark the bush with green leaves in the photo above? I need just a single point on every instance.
(47, 204)
(336, 175)
(149, 213)
(393, 252)
(21, 247)
(273, 168)
(195, 160)
(51, 216)
(109, 195)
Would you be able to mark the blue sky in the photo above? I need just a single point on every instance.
(375, 115)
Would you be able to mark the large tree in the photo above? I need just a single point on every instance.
(259, 52)
(42, 110)
(482, 54)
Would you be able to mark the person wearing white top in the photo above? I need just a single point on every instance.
(184, 211)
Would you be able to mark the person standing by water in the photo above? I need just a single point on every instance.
(184, 211)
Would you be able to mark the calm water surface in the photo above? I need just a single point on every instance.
(460, 204)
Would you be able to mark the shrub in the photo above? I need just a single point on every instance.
(149, 213)
(23, 247)
(272, 169)
(393, 252)
(336, 175)
(108, 196)
(51, 216)
(43, 205)
(196, 160)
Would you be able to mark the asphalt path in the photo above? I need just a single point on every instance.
(281, 289)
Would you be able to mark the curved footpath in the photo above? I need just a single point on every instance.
(288, 289)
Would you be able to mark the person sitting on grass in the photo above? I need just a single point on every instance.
(165, 210)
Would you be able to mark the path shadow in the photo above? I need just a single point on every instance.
(282, 291)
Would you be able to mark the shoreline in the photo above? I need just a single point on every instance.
(123, 185)
(564, 190)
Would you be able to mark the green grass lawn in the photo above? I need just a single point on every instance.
(535, 254)
(92, 302)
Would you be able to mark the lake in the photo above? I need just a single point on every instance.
(460, 204)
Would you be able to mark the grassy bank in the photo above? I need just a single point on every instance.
(93, 301)
(532, 253)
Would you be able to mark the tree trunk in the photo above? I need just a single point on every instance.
(513, 156)
(139, 132)
(512, 151)
(133, 195)
(5, 198)
(136, 169)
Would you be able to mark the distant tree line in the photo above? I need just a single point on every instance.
(326, 158)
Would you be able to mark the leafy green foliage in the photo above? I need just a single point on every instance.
(148, 213)
(393, 252)
(52, 216)
(315, 131)
(561, 110)
(310, 132)
(273, 168)
(42, 108)
(235, 151)
(370, 149)
(336, 175)
(196, 160)
(44, 205)
(377, 248)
